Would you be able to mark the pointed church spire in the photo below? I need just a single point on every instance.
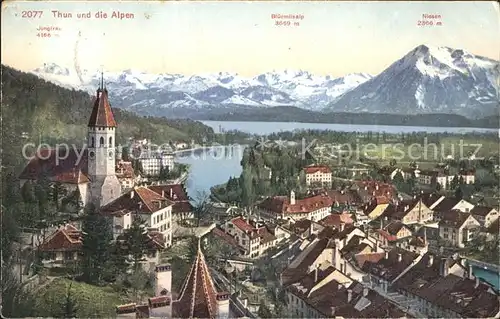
(102, 115)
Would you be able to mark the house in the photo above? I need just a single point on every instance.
(383, 272)
(180, 145)
(325, 293)
(440, 287)
(318, 174)
(254, 237)
(339, 221)
(451, 203)
(198, 298)
(154, 209)
(156, 242)
(414, 244)
(304, 228)
(125, 174)
(152, 162)
(62, 247)
(393, 232)
(182, 208)
(413, 211)
(344, 198)
(367, 190)
(314, 208)
(374, 209)
(458, 227)
(484, 215)
(358, 170)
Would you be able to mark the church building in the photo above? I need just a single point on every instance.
(89, 170)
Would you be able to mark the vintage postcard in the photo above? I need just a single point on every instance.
(231, 159)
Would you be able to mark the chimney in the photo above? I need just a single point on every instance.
(311, 229)
(292, 198)
(365, 291)
(332, 311)
(477, 283)
(444, 267)
(349, 295)
(342, 226)
(386, 255)
(376, 187)
(316, 275)
(400, 258)
(431, 260)
(471, 273)
(223, 304)
(340, 286)
(132, 194)
(162, 193)
(171, 194)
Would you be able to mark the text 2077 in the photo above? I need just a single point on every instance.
(31, 14)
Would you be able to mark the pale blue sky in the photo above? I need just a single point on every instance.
(334, 38)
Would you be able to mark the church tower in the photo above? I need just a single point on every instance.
(104, 185)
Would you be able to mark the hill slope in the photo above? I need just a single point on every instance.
(42, 111)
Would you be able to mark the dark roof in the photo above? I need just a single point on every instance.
(394, 227)
(61, 164)
(481, 210)
(430, 198)
(177, 194)
(332, 299)
(467, 297)
(102, 115)
(391, 267)
(453, 218)
(446, 204)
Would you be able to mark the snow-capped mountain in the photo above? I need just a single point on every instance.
(157, 94)
(429, 80)
(426, 80)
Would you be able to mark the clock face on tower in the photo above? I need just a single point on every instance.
(91, 155)
(110, 154)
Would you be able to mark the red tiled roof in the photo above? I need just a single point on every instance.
(102, 115)
(124, 309)
(159, 301)
(317, 168)
(139, 199)
(371, 257)
(66, 238)
(282, 204)
(226, 237)
(344, 197)
(242, 224)
(386, 235)
(65, 165)
(198, 297)
(337, 219)
(174, 192)
(124, 170)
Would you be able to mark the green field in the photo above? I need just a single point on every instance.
(92, 301)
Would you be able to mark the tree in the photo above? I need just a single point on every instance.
(247, 187)
(16, 302)
(70, 306)
(201, 207)
(135, 241)
(96, 245)
(264, 311)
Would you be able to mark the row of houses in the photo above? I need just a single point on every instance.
(160, 207)
(347, 273)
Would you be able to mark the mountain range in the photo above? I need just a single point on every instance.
(426, 80)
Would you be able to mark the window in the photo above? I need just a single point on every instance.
(68, 255)
(101, 141)
(92, 142)
(110, 141)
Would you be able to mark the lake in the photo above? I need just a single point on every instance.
(265, 128)
(215, 166)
